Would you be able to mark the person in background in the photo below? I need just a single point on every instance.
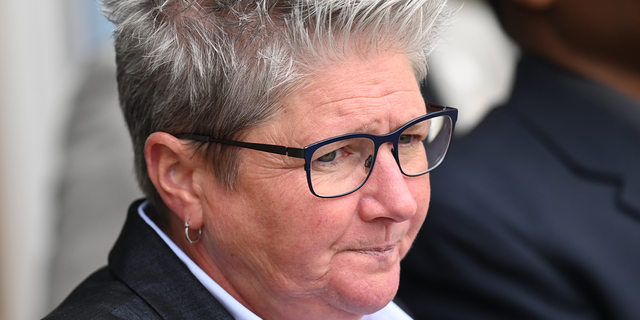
(284, 149)
(536, 213)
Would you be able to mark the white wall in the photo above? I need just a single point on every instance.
(39, 67)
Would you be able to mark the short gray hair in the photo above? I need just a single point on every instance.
(220, 67)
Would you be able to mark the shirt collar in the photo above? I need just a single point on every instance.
(390, 312)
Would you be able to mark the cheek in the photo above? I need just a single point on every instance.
(310, 226)
(291, 229)
(421, 190)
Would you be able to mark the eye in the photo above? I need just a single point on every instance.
(406, 139)
(328, 157)
(331, 156)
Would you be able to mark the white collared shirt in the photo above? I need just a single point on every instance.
(237, 310)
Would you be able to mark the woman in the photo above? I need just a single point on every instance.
(283, 147)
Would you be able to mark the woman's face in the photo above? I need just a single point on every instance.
(285, 253)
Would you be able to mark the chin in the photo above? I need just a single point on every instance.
(371, 304)
(369, 294)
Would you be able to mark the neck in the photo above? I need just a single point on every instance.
(620, 77)
(547, 34)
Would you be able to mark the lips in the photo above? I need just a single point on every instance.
(375, 250)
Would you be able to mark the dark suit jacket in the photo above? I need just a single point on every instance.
(144, 280)
(536, 213)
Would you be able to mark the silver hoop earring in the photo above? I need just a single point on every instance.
(186, 233)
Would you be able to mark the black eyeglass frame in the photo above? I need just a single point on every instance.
(307, 152)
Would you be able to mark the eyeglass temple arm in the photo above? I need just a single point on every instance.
(436, 107)
(291, 152)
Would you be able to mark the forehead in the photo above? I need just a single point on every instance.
(373, 94)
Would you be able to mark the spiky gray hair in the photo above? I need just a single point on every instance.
(220, 67)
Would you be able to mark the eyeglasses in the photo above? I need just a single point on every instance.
(341, 165)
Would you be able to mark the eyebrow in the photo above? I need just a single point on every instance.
(367, 128)
(364, 128)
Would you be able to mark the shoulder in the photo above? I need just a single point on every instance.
(505, 173)
(501, 146)
(144, 280)
(103, 296)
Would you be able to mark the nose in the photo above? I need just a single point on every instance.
(386, 193)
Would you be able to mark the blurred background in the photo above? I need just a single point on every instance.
(66, 172)
(65, 160)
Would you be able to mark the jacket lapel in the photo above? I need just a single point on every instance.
(142, 260)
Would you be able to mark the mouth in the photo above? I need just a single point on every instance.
(375, 251)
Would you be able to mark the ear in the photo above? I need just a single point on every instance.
(172, 166)
(535, 5)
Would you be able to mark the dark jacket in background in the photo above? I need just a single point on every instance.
(536, 213)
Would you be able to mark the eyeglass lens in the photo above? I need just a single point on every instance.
(343, 166)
